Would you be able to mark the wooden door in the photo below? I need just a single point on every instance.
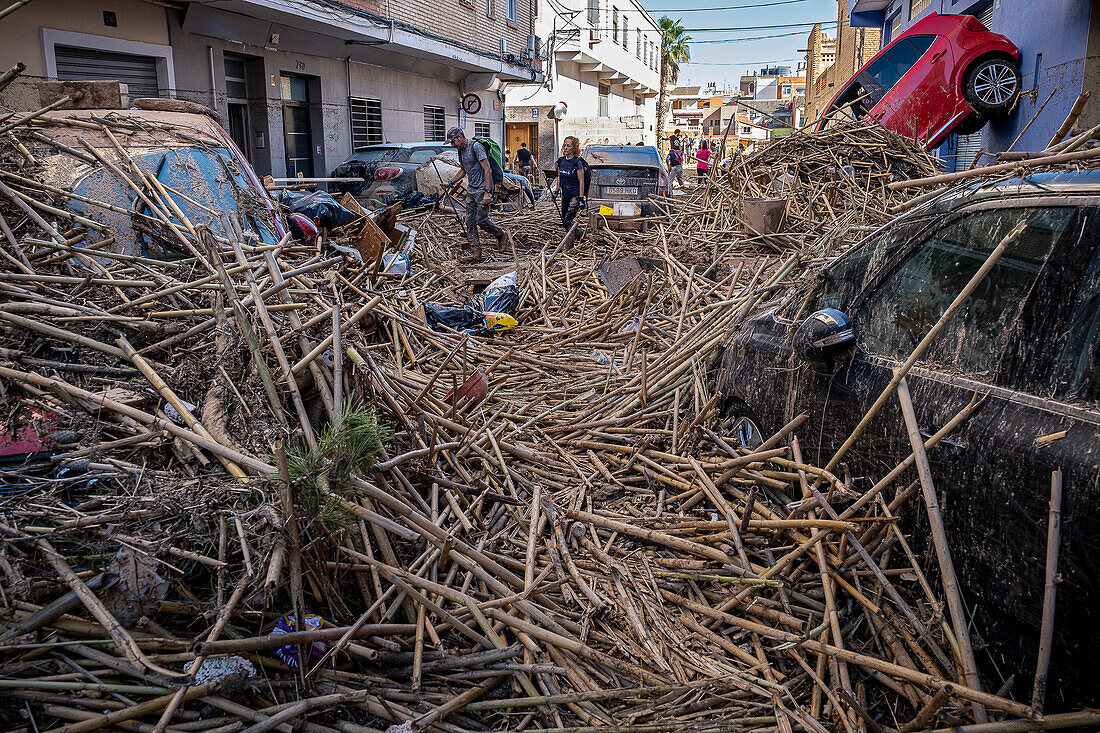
(522, 132)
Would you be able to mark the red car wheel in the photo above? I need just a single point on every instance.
(992, 85)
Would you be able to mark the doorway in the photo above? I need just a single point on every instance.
(238, 127)
(297, 130)
(522, 132)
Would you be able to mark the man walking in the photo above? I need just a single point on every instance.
(479, 192)
(523, 160)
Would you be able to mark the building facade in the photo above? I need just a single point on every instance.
(299, 84)
(601, 77)
(1059, 41)
(832, 62)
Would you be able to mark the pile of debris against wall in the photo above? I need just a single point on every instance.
(252, 483)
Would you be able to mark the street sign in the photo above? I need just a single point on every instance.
(471, 104)
(534, 111)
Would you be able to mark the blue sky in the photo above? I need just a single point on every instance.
(728, 60)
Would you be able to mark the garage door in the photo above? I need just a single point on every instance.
(85, 64)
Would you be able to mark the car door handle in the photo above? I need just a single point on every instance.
(938, 55)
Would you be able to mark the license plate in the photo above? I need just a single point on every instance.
(621, 191)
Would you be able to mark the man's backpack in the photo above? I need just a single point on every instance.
(496, 162)
(587, 174)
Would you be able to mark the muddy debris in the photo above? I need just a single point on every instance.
(246, 486)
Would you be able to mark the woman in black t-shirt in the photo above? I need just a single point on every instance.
(571, 180)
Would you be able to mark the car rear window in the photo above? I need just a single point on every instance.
(419, 155)
(374, 155)
(639, 156)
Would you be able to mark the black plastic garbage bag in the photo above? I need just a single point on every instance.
(319, 206)
(464, 320)
(501, 296)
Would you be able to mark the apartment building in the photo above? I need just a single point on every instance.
(1059, 41)
(300, 84)
(688, 105)
(601, 74)
(832, 62)
(820, 55)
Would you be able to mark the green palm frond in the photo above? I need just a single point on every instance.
(346, 447)
(674, 46)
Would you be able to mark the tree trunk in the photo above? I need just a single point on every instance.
(662, 109)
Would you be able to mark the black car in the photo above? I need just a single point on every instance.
(626, 173)
(1026, 343)
(389, 172)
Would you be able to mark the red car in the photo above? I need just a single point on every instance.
(945, 74)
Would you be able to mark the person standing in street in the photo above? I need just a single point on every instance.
(702, 158)
(479, 192)
(523, 160)
(676, 159)
(570, 181)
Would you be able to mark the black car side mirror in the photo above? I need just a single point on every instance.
(825, 335)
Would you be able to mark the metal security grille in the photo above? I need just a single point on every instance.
(916, 7)
(435, 124)
(366, 122)
(985, 15)
(482, 129)
(139, 73)
(967, 146)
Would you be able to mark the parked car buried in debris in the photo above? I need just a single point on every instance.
(629, 175)
(945, 74)
(389, 172)
(196, 176)
(1026, 344)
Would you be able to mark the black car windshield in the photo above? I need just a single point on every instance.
(630, 155)
(373, 155)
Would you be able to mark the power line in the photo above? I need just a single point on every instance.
(755, 27)
(727, 7)
(742, 63)
(747, 38)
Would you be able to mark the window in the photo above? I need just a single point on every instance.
(1076, 372)
(435, 124)
(510, 10)
(903, 307)
(603, 108)
(235, 87)
(626, 35)
(293, 88)
(785, 90)
(421, 154)
(482, 129)
(537, 2)
(489, 8)
(614, 25)
(366, 122)
(746, 130)
(638, 44)
(893, 27)
(916, 7)
(894, 63)
(594, 13)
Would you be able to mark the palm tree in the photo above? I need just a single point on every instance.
(674, 51)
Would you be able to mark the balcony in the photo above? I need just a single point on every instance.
(594, 51)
